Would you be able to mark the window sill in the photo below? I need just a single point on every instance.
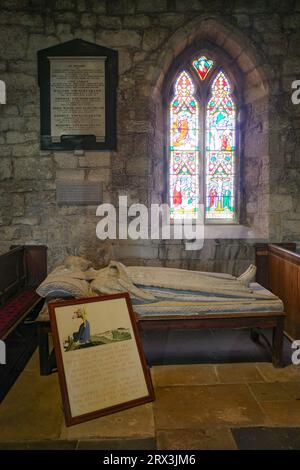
(214, 231)
(225, 231)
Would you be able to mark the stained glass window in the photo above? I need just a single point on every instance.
(203, 66)
(184, 148)
(220, 151)
(213, 149)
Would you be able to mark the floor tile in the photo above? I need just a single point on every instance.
(196, 439)
(117, 444)
(205, 406)
(282, 413)
(267, 438)
(238, 373)
(33, 364)
(134, 422)
(270, 373)
(32, 409)
(48, 444)
(278, 391)
(193, 374)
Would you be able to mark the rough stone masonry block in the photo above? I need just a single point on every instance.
(65, 5)
(290, 229)
(37, 42)
(243, 21)
(136, 251)
(281, 202)
(85, 34)
(125, 61)
(11, 123)
(25, 150)
(294, 46)
(64, 32)
(150, 6)
(5, 168)
(33, 169)
(41, 198)
(191, 5)
(14, 137)
(123, 38)
(98, 6)
(18, 204)
(70, 174)
(14, 4)
(154, 38)
(12, 110)
(171, 252)
(136, 22)
(33, 21)
(264, 23)
(13, 40)
(171, 20)
(5, 150)
(251, 208)
(137, 166)
(25, 221)
(291, 21)
(19, 81)
(103, 175)
(88, 20)
(40, 235)
(121, 7)
(110, 22)
(65, 160)
(95, 159)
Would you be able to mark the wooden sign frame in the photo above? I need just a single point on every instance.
(76, 49)
(131, 380)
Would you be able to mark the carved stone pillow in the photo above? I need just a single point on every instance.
(63, 286)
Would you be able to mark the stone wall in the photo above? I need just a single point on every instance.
(262, 39)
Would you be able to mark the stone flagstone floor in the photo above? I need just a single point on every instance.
(196, 407)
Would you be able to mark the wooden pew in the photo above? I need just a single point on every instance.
(281, 275)
(22, 269)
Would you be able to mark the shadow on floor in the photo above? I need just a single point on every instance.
(212, 346)
(20, 345)
(267, 438)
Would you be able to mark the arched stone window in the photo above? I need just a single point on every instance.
(203, 152)
(252, 82)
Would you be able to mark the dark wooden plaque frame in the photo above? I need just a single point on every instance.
(77, 48)
(71, 420)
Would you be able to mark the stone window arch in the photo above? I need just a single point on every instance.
(254, 83)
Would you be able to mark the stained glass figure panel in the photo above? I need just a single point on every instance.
(220, 151)
(184, 150)
(202, 66)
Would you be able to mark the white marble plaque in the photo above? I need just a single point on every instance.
(77, 97)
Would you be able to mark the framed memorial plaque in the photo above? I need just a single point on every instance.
(100, 361)
(78, 82)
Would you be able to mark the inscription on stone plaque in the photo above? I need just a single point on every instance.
(77, 97)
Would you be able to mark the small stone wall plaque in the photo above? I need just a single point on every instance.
(84, 193)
